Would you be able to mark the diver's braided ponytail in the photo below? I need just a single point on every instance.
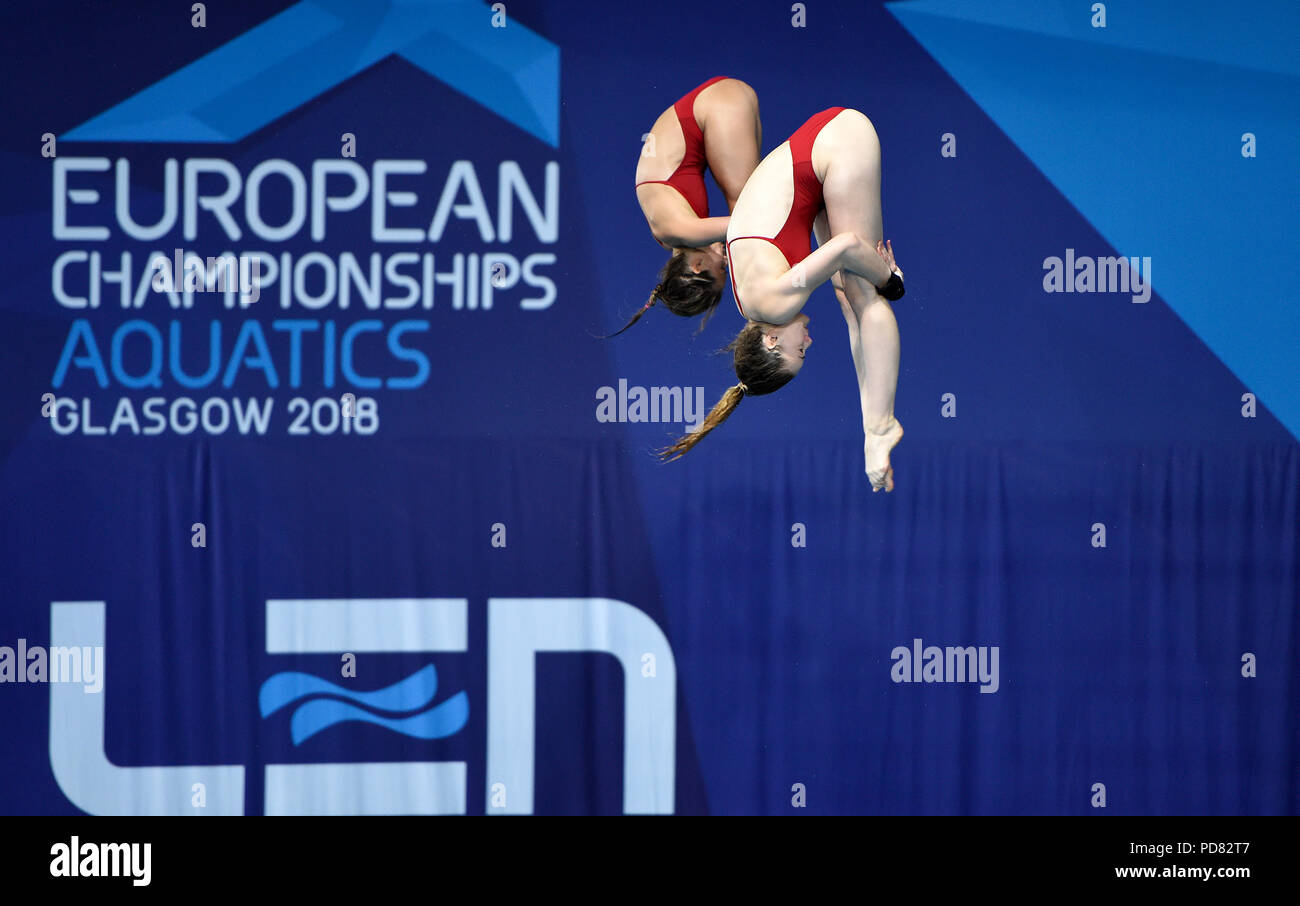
(654, 294)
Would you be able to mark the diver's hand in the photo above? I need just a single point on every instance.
(886, 250)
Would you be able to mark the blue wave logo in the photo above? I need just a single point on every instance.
(410, 694)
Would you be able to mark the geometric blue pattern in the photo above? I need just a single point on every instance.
(1139, 126)
(317, 44)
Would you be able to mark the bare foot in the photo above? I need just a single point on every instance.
(879, 441)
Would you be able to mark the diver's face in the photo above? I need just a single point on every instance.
(710, 260)
(791, 339)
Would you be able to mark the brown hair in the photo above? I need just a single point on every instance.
(683, 292)
(760, 370)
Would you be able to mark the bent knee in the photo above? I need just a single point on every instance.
(859, 290)
(740, 91)
(856, 117)
(855, 135)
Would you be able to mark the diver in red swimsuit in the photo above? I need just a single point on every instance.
(688, 178)
(715, 127)
(794, 239)
(824, 180)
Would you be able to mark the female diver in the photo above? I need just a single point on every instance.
(715, 127)
(825, 179)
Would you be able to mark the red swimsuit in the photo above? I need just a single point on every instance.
(688, 178)
(794, 239)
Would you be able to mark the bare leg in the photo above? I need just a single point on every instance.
(852, 192)
(877, 377)
(821, 230)
(733, 136)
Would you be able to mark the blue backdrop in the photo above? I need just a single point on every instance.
(1101, 492)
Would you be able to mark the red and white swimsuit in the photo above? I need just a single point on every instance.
(794, 240)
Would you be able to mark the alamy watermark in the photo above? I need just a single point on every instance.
(84, 664)
(1098, 275)
(651, 404)
(193, 274)
(75, 859)
(932, 664)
